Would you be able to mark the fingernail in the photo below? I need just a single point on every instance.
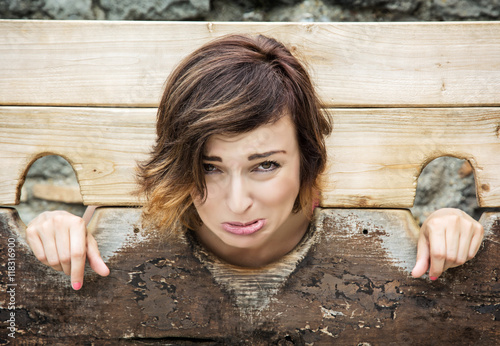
(433, 278)
(77, 286)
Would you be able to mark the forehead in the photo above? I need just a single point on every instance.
(280, 135)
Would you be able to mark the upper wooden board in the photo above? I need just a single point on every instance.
(94, 63)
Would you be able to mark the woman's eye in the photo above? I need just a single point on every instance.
(209, 168)
(268, 166)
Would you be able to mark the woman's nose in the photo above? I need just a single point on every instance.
(239, 199)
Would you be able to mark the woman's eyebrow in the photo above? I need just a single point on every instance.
(211, 158)
(264, 155)
(250, 158)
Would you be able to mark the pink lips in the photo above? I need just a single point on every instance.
(244, 228)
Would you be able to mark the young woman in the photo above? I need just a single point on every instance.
(239, 152)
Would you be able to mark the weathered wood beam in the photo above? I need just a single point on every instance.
(350, 284)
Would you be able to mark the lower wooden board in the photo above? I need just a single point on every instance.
(348, 282)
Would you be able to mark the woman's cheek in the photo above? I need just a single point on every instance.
(281, 192)
(215, 187)
(213, 194)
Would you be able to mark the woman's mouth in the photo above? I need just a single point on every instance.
(244, 228)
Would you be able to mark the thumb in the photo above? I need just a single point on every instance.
(94, 257)
(422, 263)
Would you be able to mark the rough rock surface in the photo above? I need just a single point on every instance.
(155, 9)
(442, 185)
(105, 9)
(254, 10)
(47, 170)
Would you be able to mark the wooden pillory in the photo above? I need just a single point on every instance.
(401, 95)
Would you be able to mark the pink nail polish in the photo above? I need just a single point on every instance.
(77, 286)
(433, 278)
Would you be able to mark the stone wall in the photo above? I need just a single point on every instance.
(446, 182)
(254, 10)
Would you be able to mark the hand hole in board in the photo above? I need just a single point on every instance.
(51, 184)
(445, 182)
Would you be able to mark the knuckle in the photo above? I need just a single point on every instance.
(31, 233)
(47, 226)
(452, 220)
(42, 216)
(78, 254)
(434, 230)
(433, 223)
(71, 220)
(479, 229)
(60, 217)
(64, 259)
(53, 262)
(468, 226)
(460, 260)
(451, 258)
(79, 222)
(30, 230)
(438, 255)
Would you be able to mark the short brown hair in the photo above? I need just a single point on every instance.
(231, 85)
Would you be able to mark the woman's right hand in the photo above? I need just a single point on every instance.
(60, 240)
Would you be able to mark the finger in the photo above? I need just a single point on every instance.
(49, 245)
(437, 241)
(422, 263)
(465, 246)
(94, 256)
(36, 245)
(476, 240)
(452, 237)
(63, 251)
(78, 234)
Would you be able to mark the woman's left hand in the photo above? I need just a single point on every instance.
(448, 238)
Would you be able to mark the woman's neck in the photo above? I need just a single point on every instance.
(282, 242)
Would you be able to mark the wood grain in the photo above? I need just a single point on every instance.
(348, 283)
(103, 146)
(352, 286)
(376, 155)
(113, 63)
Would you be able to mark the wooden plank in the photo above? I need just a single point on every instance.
(52, 192)
(376, 155)
(102, 145)
(113, 63)
(352, 286)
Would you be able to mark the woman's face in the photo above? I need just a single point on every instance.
(252, 180)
